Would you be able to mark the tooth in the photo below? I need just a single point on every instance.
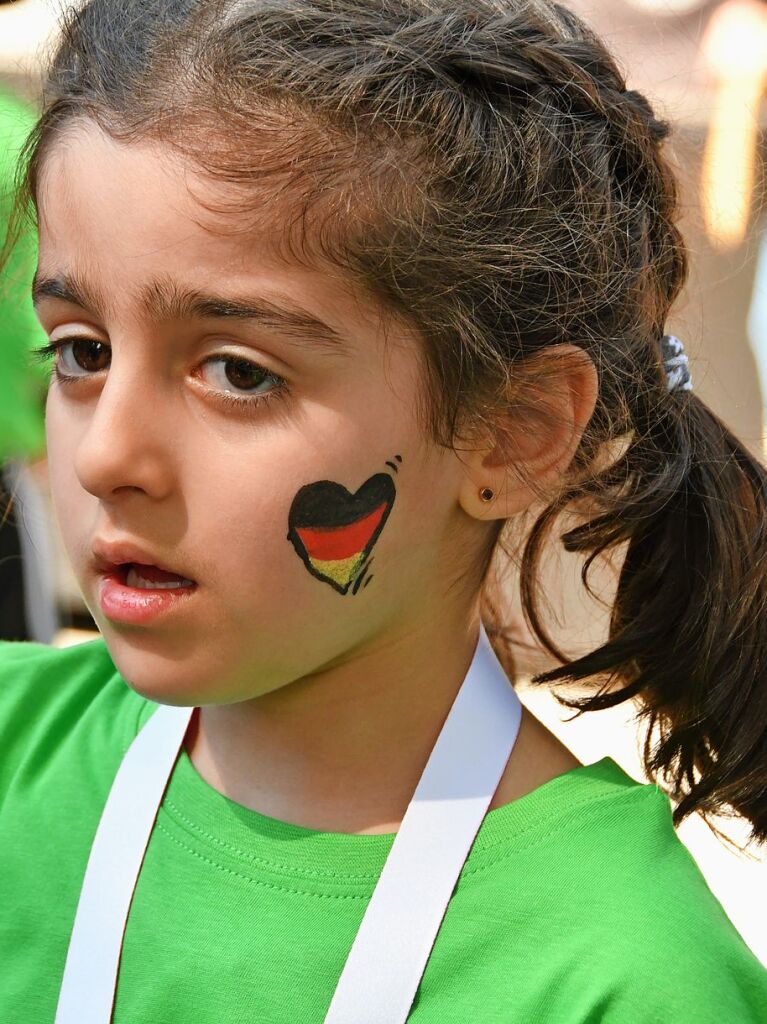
(133, 579)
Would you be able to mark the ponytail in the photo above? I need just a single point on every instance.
(688, 629)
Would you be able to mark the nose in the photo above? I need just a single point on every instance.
(126, 446)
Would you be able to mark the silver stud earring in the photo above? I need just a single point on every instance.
(487, 494)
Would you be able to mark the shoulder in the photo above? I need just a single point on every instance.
(671, 951)
(55, 697)
(588, 872)
(688, 963)
(51, 672)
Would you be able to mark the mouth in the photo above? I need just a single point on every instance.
(139, 593)
(149, 577)
(135, 567)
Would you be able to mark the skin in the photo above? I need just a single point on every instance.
(305, 693)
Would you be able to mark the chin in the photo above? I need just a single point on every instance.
(160, 674)
(187, 676)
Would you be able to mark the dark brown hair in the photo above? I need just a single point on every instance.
(481, 166)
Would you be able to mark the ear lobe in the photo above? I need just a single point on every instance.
(536, 439)
(510, 494)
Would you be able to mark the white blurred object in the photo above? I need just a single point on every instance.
(735, 49)
(26, 26)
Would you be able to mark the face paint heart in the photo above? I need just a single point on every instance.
(333, 530)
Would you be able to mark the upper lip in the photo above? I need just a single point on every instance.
(109, 554)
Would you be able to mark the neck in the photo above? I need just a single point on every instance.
(342, 750)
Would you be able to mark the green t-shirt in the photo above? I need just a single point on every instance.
(578, 902)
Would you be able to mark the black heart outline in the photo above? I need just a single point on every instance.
(313, 503)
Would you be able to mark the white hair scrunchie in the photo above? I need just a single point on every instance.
(675, 363)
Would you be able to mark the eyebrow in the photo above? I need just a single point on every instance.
(165, 300)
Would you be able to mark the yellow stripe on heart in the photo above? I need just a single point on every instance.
(341, 570)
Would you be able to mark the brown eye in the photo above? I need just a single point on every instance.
(235, 375)
(83, 354)
(243, 374)
(90, 355)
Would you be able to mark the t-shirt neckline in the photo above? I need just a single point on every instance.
(238, 837)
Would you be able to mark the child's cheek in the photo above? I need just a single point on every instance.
(315, 544)
(334, 530)
(75, 509)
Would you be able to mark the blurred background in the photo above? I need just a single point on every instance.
(703, 63)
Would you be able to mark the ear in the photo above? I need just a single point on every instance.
(536, 437)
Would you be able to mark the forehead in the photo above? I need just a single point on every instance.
(123, 216)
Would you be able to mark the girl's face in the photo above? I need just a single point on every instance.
(240, 421)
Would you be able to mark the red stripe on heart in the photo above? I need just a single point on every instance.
(328, 543)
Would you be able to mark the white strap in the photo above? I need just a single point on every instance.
(390, 951)
(90, 974)
(391, 948)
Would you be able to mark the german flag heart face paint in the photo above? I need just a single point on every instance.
(333, 531)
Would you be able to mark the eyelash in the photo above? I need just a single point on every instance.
(228, 399)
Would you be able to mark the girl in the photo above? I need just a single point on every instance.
(344, 299)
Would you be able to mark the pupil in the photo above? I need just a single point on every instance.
(243, 374)
(90, 355)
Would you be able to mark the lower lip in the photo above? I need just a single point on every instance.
(136, 606)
